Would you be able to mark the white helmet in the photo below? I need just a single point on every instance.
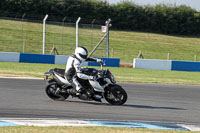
(81, 53)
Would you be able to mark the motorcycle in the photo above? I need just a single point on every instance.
(103, 85)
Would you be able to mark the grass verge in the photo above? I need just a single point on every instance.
(121, 74)
(125, 44)
(31, 129)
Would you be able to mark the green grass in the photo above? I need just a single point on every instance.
(121, 74)
(126, 45)
(31, 129)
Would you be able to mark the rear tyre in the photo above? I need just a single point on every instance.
(116, 95)
(51, 91)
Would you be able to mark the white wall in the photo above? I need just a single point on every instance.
(9, 57)
(61, 59)
(152, 64)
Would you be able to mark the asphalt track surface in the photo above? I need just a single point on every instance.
(26, 98)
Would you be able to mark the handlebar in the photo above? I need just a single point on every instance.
(102, 64)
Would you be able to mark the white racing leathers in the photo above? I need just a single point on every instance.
(73, 70)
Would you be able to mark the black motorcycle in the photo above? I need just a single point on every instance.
(103, 85)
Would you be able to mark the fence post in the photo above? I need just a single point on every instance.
(195, 57)
(77, 22)
(168, 56)
(112, 53)
(107, 39)
(44, 31)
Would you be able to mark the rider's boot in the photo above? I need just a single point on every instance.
(77, 86)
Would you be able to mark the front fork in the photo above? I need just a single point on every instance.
(57, 90)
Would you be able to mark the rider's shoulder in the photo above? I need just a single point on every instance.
(73, 55)
(75, 58)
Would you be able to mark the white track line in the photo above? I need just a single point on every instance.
(64, 122)
(191, 127)
(21, 78)
(47, 122)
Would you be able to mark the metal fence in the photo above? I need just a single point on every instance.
(26, 36)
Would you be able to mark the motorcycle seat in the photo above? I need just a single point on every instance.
(59, 71)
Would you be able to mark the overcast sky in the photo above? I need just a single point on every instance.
(192, 3)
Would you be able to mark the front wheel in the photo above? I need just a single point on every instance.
(116, 95)
(53, 92)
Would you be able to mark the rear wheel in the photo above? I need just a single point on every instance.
(116, 95)
(53, 92)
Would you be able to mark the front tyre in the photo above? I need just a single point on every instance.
(53, 93)
(115, 95)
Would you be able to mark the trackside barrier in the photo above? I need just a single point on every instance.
(37, 58)
(152, 64)
(50, 59)
(9, 57)
(166, 65)
(110, 62)
(61, 59)
(186, 66)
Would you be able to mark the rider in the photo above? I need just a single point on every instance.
(73, 69)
